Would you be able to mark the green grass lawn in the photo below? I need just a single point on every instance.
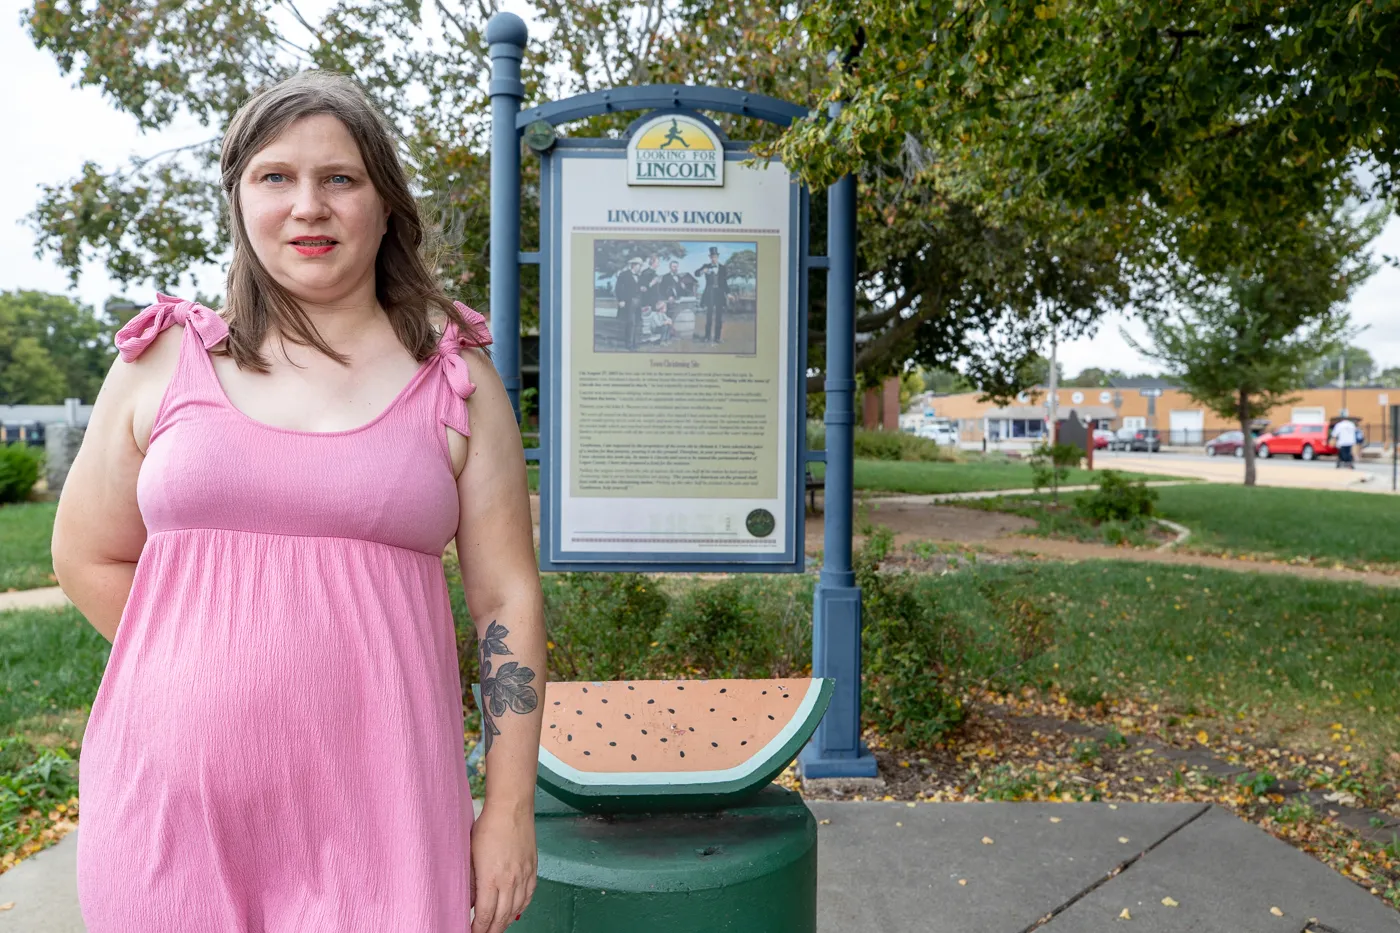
(1295, 657)
(1351, 527)
(26, 530)
(922, 478)
(51, 664)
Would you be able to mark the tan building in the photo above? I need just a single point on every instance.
(1180, 417)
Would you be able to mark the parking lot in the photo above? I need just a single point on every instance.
(1370, 475)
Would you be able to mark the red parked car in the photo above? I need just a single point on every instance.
(1102, 438)
(1303, 441)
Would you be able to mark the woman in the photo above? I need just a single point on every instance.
(256, 520)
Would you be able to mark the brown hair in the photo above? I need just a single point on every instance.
(404, 283)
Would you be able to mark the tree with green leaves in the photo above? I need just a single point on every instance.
(939, 282)
(1243, 341)
(1341, 361)
(1201, 109)
(52, 348)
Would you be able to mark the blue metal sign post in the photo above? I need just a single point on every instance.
(835, 750)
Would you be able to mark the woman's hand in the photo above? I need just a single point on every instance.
(504, 865)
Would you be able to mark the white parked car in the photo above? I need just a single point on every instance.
(941, 434)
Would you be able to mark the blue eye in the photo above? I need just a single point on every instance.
(346, 177)
(273, 177)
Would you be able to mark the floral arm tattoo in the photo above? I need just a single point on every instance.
(508, 688)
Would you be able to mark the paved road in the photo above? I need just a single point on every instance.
(1369, 475)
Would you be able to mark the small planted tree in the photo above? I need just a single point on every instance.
(1243, 339)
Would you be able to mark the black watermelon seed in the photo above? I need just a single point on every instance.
(723, 689)
(630, 687)
(770, 715)
(571, 738)
(612, 743)
(651, 701)
(682, 754)
(663, 740)
(634, 757)
(692, 728)
(588, 753)
(579, 712)
(744, 743)
(714, 745)
(644, 732)
(785, 696)
(678, 687)
(554, 725)
(628, 715)
(765, 692)
(712, 709)
(605, 699)
(557, 702)
(734, 718)
(585, 690)
(598, 724)
(669, 710)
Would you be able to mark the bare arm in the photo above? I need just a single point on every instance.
(495, 543)
(98, 531)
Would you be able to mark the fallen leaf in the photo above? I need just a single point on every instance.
(1202, 737)
(7, 905)
(986, 840)
(1169, 902)
(1054, 819)
(1123, 839)
(1275, 911)
(962, 881)
(823, 822)
(898, 824)
(909, 804)
(1125, 915)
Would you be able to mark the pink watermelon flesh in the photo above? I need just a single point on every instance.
(681, 726)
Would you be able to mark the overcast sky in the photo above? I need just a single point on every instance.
(54, 128)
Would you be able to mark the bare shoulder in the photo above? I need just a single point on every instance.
(143, 381)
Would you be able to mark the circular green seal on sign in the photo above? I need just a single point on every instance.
(760, 523)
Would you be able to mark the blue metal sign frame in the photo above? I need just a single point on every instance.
(835, 749)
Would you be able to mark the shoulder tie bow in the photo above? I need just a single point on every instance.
(453, 340)
(139, 332)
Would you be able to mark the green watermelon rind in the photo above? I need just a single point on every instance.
(667, 790)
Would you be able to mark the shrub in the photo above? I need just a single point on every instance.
(19, 471)
(1117, 499)
(900, 445)
(739, 627)
(1050, 464)
(602, 624)
(912, 657)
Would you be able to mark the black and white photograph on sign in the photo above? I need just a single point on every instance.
(675, 296)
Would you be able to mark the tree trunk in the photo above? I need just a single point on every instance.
(1245, 419)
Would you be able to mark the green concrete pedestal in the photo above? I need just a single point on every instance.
(747, 869)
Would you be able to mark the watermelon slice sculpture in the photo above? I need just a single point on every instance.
(666, 745)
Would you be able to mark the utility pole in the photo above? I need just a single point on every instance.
(1054, 389)
(1342, 372)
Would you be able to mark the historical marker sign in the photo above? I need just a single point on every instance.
(674, 354)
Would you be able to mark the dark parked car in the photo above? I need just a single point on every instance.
(1229, 444)
(1148, 439)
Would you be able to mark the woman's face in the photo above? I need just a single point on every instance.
(313, 218)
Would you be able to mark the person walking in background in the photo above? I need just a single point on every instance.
(1344, 436)
(276, 743)
(715, 296)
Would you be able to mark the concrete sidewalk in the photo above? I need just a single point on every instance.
(888, 867)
